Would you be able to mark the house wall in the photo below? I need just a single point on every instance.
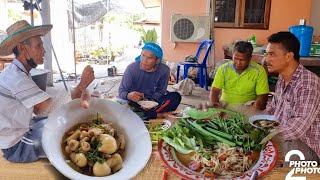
(315, 17)
(284, 13)
(179, 50)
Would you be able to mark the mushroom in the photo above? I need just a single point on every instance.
(95, 132)
(73, 145)
(73, 157)
(121, 141)
(108, 144)
(83, 134)
(79, 159)
(85, 146)
(86, 139)
(101, 169)
(74, 136)
(115, 162)
(67, 150)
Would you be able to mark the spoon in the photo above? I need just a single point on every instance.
(254, 175)
(179, 114)
(271, 134)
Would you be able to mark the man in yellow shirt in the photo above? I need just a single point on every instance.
(241, 80)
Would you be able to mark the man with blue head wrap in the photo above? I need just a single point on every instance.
(148, 78)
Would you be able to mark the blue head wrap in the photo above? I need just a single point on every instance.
(154, 48)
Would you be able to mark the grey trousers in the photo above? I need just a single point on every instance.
(29, 149)
(309, 154)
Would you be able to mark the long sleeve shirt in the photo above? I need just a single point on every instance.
(297, 108)
(152, 84)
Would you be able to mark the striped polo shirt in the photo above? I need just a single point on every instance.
(18, 96)
(241, 88)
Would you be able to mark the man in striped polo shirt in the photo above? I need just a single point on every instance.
(20, 97)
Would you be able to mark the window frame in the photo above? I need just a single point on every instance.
(239, 18)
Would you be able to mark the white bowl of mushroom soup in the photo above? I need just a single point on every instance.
(69, 122)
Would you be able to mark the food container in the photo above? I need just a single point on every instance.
(39, 76)
(315, 49)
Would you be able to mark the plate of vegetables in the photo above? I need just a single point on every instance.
(218, 147)
(155, 127)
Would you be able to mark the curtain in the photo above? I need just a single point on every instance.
(255, 10)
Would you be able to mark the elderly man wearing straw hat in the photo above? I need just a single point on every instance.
(20, 97)
(147, 78)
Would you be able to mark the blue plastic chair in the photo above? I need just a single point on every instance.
(202, 67)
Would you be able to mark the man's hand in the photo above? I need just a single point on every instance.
(85, 99)
(135, 96)
(205, 105)
(86, 78)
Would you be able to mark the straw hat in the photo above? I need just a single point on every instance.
(19, 32)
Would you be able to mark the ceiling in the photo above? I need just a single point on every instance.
(151, 3)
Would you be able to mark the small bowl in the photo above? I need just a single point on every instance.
(154, 133)
(269, 120)
(165, 124)
(148, 104)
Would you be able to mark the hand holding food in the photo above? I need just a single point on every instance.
(135, 96)
(204, 106)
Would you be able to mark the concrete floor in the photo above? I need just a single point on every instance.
(108, 86)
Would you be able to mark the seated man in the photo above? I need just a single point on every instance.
(20, 97)
(241, 80)
(148, 78)
(296, 101)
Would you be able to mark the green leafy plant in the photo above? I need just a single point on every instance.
(149, 35)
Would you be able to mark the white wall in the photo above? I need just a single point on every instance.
(60, 36)
(315, 17)
(3, 15)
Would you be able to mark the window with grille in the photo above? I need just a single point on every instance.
(250, 14)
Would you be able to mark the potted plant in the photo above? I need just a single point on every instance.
(149, 35)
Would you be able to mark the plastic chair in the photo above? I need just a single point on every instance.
(202, 67)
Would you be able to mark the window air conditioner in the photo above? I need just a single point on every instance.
(189, 28)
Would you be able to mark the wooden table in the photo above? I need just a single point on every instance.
(154, 170)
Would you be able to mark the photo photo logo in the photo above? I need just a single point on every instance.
(301, 166)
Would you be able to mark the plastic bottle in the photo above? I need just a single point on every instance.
(304, 35)
(253, 40)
